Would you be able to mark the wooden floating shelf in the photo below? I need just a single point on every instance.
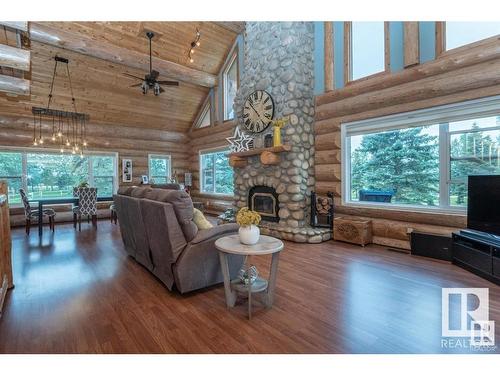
(268, 156)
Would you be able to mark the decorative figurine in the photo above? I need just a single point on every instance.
(278, 124)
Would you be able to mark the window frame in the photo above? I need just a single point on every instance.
(348, 60)
(24, 151)
(232, 60)
(442, 115)
(441, 41)
(206, 108)
(207, 152)
(160, 156)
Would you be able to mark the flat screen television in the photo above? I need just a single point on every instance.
(483, 205)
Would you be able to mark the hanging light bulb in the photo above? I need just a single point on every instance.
(81, 155)
(41, 141)
(35, 142)
(73, 151)
(192, 50)
(59, 134)
(53, 138)
(85, 143)
(62, 150)
(191, 60)
(198, 44)
(67, 143)
(76, 148)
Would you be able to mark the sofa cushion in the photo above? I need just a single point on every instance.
(200, 220)
(139, 192)
(125, 190)
(167, 186)
(183, 207)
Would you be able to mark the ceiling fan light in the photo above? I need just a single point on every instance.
(156, 89)
(198, 43)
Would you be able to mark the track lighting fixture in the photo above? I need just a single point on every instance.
(195, 43)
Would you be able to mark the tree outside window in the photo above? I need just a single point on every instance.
(159, 169)
(216, 173)
(47, 175)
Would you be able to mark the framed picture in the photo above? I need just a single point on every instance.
(127, 170)
(145, 179)
(188, 179)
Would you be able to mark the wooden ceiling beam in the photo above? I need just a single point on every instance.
(16, 25)
(14, 85)
(119, 55)
(235, 26)
(15, 58)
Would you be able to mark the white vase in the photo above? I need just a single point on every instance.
(249, 235)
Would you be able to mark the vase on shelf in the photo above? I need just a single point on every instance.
(249, 234)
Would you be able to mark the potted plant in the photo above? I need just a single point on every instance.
(249, 231)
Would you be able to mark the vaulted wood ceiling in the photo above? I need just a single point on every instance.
(99, 54)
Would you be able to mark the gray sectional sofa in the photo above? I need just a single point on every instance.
(158, 231)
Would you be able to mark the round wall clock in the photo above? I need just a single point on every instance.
(258, 111)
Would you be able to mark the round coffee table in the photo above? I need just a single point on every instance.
(266, 245)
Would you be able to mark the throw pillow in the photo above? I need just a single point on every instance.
(200, 220)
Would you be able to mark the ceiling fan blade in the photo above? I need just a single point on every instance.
(136, 85)
(132, 76)
(169, 83)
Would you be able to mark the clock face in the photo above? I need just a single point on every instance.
(258, 111)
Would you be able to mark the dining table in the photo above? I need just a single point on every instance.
(59, 200)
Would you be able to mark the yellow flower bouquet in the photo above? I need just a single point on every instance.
(248, 220)
(246, 217)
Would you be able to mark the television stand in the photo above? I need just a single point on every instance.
(478, 253)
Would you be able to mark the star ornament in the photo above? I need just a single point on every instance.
(239, 142)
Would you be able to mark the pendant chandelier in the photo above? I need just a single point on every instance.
(68, 128)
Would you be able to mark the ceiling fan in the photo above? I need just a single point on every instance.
(150, 80)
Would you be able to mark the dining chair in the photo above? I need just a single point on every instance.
(87, 206)
(30, 214)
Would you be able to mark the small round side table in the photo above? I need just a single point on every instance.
(266, 245)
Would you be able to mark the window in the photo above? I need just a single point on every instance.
(365, 49)
(205, 118)
(11, 170)
(216, 173)
(46, 174)
(230, 78)
(421, 160)
(159, 169)
(461, 33)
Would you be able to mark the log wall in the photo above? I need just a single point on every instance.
(465, 74)
(122, 120)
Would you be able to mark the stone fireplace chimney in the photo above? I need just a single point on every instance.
(278, 58)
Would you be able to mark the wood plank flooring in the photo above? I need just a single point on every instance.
(80, 293)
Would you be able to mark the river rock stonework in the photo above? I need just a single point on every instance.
(278, 58)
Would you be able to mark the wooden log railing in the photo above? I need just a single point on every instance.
(6, 281)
